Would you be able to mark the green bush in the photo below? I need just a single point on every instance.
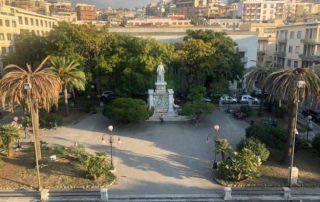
(26, 121)
(280, 112)
(316, 142)
(198, 109)
(96, 164)
(256, 146)
(223, 147)
(272, 137)
(46, 118)
(126, 110)
(151, 111)
(241, 165)
(247, 110)
(78, 151)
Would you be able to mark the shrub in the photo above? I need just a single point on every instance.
(316, 142)
(88, 108)
(241, 165)
(247, 110)
(46, 118)
(272, 137)
(96, 164)
(126, 110)
(198, 110)
(26, 121)
(196, 93)
(223, 147)
(151, 111)
(256, 146)
(78, 151)
(280, 112)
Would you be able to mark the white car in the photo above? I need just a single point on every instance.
(105, 94)
(206, 99)
(228, 100)
(244, 99)
(61, 95)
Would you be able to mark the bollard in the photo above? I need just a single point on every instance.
(44, 194)
(287, 193)
(227, 193)
(104, 194)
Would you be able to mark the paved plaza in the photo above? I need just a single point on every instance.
(155, 158)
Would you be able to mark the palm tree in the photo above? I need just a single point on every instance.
(256, 76)
(71, 77)
(9, 133)
(224, 147)
(45, 88)
(283, 84)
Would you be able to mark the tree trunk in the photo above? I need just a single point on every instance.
(35, 116)
(290, 133)
(9, 148)
(260, 112)
(66, 100)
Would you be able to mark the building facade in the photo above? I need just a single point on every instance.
(168, 22)
(86, 12)
(298, 45)
(258, 11)
(187, 8)
(15, 20)
(63, 11)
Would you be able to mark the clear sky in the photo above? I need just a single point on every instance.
(114, 3)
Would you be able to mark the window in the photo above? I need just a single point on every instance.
(1, 36)
(3, 50)
(31, 21)
(271, 12)
(297, 49)
(50, 24)
(257, 29)
(26, 21)
(1, 23)
(290, 49)
(299, 33)
(7, 23)
(264, 5)
(10, 49)
(9, 37)
(41, 23)
(264, 12)
(20, 20)
(14, 24)
(37, 22)
(292, 35)
(46, 23)
(295, 65)
(289, 63)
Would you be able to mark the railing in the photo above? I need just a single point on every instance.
(280, 54)
(261, 52)
(282, 40)
(311, 58)
(311, 41)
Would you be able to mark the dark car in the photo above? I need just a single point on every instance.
(315, 114)
(258, 94)
(111, 97)
(177, 100)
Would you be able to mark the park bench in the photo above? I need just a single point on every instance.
(269, 122)
(256, 194)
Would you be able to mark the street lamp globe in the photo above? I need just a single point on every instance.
(88, 96)
(216, 127)
(110, 128)
(309, 117)
(92, 86)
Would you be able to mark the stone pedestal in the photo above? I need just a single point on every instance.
(171, 101)
(161, 86)
(294, 176)
(150, 98)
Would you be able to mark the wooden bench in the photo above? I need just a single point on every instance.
(269, 122)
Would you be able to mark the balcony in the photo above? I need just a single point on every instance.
(310, 58)
(282, 40)
(261, 52)
(311, 41)
(281, 54)
(244, 60)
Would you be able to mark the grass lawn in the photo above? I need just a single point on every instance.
(18, 172)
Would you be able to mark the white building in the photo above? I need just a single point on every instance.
(298, 45)
(226, 24)
(152, 21)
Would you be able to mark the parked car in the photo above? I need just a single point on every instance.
(61, 95)
(315, 114)
(206, 99)
(111, 97)
(177, 100)
(244, 99)
(258, 94)
(227, 99)
(105, 94)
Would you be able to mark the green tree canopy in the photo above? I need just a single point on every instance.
(9, 133)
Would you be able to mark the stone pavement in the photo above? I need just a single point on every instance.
(155, 158)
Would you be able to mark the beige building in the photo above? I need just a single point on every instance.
(298, 45)
(266, 41)
(15, 20)
(63, 11)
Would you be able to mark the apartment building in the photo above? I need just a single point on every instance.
(15, 20)
(187, 8)
(258, 11)
(164, 22)
(63, 11)
(226, 24)
(266, 39)
(298, 45)
(86, 12)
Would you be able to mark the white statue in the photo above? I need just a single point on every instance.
(160, 71)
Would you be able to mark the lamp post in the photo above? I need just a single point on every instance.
(309, 126)
(300, 85)
(215, 164)
(92, 97)
(27, 87)
(110, 128)
(15, 121)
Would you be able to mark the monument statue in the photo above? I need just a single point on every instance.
(160, 71)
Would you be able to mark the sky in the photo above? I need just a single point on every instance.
(114, 3)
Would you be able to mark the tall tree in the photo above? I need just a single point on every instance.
(256, 77)
(283, 84)
(9, 133)
(45, 88)
(71, 77)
